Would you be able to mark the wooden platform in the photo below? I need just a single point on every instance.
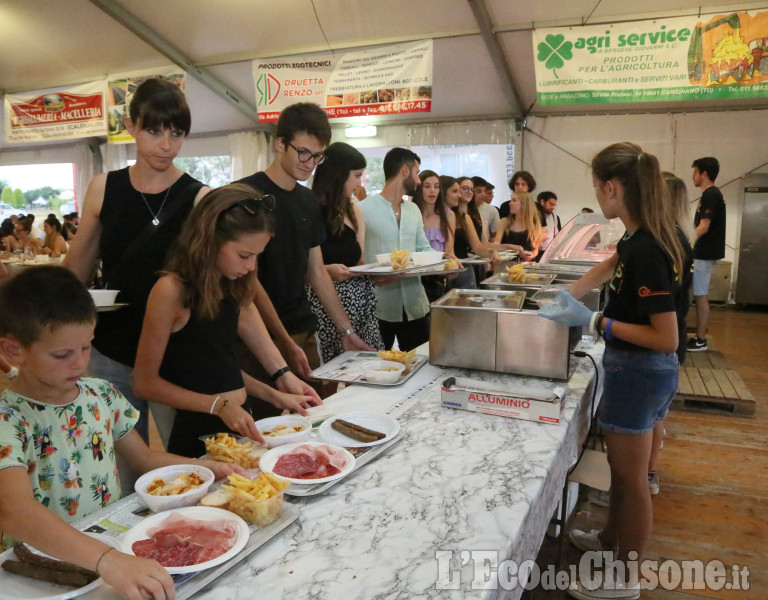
(707, 384)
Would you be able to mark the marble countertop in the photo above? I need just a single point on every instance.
(401, 526)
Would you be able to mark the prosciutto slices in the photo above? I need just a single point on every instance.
(310, 462)
(180, 541)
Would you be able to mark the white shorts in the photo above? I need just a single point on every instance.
(702, 273)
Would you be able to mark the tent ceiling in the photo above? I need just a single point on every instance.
(48, 43)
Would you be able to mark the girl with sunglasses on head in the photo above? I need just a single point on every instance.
(197, 310)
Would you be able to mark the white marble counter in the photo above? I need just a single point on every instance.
(458, 482)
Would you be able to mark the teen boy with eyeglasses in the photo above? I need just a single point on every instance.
(293, 256)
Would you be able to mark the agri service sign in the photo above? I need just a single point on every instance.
(683, 58)
(74, 112)
(386, 80)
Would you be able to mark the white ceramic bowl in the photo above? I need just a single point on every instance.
(384, 259)
(104, 297)
(373, 373)
(269, 424)
(422, 259)
(168, 474)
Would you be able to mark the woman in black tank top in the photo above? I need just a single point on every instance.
(118, 207)
(195, 314)
(521, 230)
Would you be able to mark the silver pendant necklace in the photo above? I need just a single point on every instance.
(156, 216)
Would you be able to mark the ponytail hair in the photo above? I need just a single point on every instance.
(645, 194)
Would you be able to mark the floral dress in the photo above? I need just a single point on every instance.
(68, 450)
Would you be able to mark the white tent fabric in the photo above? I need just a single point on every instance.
(251, 151)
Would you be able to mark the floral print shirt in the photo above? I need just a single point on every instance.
(68, 450)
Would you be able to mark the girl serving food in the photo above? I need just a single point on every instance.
(641, 336)
(195, 313)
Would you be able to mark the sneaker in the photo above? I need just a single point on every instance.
(618, 591)
(599, 497)
(586, 541)
(653, 483)
(696, 344)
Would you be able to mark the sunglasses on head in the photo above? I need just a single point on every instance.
(253, 205)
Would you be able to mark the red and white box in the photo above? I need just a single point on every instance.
(531, 404)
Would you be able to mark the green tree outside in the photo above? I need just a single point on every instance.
(8, 196)
(19, 198)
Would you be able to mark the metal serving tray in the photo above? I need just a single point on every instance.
(347, 367)
(482, 300)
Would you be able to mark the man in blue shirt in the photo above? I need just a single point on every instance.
(392, 224)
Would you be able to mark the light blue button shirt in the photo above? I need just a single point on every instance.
(383, 235)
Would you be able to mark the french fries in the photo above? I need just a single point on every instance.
(399, 259)
(258, 501)
(225, 448)
(405, 358)
(516, 274)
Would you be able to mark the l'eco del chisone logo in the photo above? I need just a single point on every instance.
(554, 51)
(267, 89)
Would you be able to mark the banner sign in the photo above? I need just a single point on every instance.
(73, 112)
(120, 90)
(383, 81)
(683, 58)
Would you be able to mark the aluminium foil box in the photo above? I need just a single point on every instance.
(530, 404)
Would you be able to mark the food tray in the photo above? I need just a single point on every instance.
(531, 279)
(111, 307)
(431, 270)
(347, 367)
(508, 300)
(386, 269)
(362, 457)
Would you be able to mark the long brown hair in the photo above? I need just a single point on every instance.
(440, 207)
(472, 209)
(645, 195)
(328, 184)
(217, 219)
(529, 217)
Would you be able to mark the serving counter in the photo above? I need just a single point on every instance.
(457, 482)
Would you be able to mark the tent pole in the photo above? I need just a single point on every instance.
(141, 30)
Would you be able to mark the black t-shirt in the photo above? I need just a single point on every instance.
(643, 283)
(682, 301)
(283, 264)
(504, 210)
(711, 245)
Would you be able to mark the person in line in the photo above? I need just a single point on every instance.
(439, 221)
(546, 202)
(334, 180)
(60, 432)
(24, 239)
(68, 229)
(7, 236)
(54, 243)
(439, 226)
(521, 230)
(293, 256)
(468, 205)
(709, 223)
(467, 237)
(521, 181)
(402, 306)
(187, 355)
(640, 328)
(483, 192)
(131, 218)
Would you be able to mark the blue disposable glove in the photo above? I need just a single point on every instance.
(567, 311)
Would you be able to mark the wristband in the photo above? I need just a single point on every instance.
(210, 412)
(594, 324)
(103, 554)
(346, 332)
(279, 373)
(607, 333)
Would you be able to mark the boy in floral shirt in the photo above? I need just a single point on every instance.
(59, 431)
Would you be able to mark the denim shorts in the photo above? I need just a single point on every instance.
(702, 274)
(638, 390)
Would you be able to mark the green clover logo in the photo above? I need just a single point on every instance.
(554, 52)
